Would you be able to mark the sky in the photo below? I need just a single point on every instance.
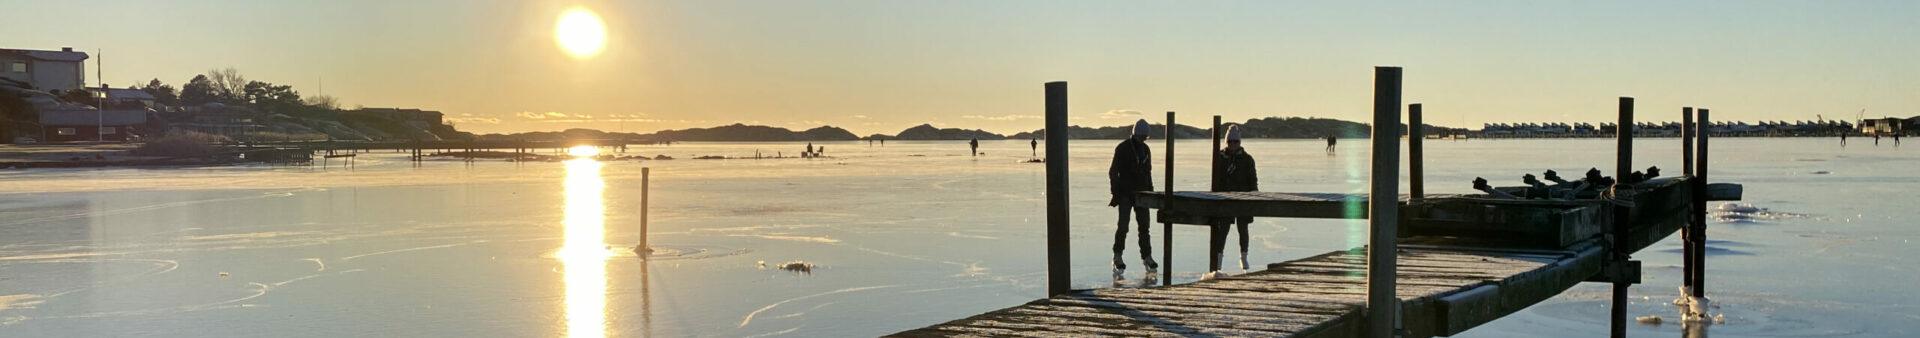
(494, 66)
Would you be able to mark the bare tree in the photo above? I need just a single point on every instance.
(228, 83)
(323, 101)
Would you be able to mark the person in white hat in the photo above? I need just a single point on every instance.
(1233, 171)
(1132, 172)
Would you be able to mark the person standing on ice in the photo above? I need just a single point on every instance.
(974, 145)
(1131, 172)
(1233, 171)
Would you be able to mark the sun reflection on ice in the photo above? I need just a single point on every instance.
(584, 255)
(584, 151)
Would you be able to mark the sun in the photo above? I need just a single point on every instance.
(583, 151)
(580, 33)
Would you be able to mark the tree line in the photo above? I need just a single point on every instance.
(227, 86)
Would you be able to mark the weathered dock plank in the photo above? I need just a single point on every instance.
(1444, 290)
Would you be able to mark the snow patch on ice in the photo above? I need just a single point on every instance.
(1747, 213)
(20, 301)
(1649, 320)
(961, 235)
(251, 235)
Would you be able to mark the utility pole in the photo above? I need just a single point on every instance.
(100, 108)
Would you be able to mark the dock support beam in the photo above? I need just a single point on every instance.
(1623, 164)
(1059, 274)
(1699, 270)
(1383, 307)
(1166, 227)
(1416, 161)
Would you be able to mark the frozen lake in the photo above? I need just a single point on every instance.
(901, 236)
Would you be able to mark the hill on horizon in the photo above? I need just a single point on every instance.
(1269, 127)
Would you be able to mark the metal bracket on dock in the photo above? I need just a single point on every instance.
(1618, 272)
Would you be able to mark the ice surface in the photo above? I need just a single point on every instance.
(447, 249)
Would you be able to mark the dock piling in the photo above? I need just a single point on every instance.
(1166, 227)
(1416, 174)
(1059, 272)
(1213, 169)
(1623, 164)
(1699, 270)
(1686, 141)
(1383, 307)
(1686, 168)
(644, 249)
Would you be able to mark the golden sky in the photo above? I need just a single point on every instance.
(883, 66)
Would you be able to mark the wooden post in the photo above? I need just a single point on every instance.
(1166, 227)
(644, 249)
(1059, 274)
(1700, 207)
(1383, 307)
(1623, 164)
(1416, 160)
(1218, 134)
(1214, 248)
(1686, 141)
(1686, 165)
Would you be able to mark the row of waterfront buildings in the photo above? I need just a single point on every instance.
(38, 77)
(1868, 127)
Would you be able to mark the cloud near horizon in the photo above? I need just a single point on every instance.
(1008, 117)
(486, 120)
(540, 116)
(1120, 114)
(579, 117)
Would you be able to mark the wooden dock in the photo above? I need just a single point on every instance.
(1432, 265)
(1445, 284)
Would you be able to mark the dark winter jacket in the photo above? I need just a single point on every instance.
(1132, 168)
(1233, 171)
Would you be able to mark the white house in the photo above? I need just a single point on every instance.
(63, 69)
